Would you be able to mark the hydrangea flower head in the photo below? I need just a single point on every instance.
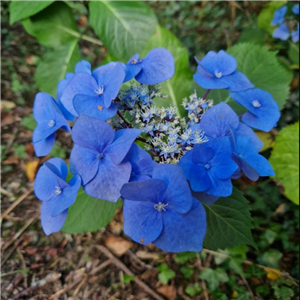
(49, 119)
(218, 71)
(263, 111)
(92, 94)
(157, 66)
(209, 167)
(82, 66)
(279, 15)
(282, 32)
(98, 155)
(164, 213)
(57, 195)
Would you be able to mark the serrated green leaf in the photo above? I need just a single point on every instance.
(124, 27)
(266, 15)
(165, 273)
(228, 223)
(53, 66)
(285, 160)
(293, 53)
(179, 86)
(89, 214)
(23, 9)
(213, 277)
(252, 35)
(54, 26)
(263, 69)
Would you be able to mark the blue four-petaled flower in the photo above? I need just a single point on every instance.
(98, 157)
(92, 94)
(49, 119)
(57, 195)
(279, 15)
(218, 71)
(263, 112)
(162, 211)
(157, 66)
(209, 167)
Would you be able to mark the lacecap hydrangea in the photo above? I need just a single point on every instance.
(164, 168)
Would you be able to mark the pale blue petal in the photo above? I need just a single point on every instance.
(83, 66)
(44, 147)
(237, 81)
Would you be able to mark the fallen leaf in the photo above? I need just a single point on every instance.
(280, 209)
(7, 105)
(31, 169)
(273, 274)
(147, 255)
(29, 149)
(12, 160)
(168, 291)
(117, 245)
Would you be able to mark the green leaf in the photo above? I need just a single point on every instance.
(124, 27)
(266, 15)
(89, 214)
(184, 257)
(293, 53)
(252, 35)
(213, 277)
(187, 271)
(179, 86)
(29, 122)
(270, 258)
(54, 65)
(283, 293)
(228, 223)
(23, 9)
(263, 69)
(285, 161)
(165, 273)
(54, 26)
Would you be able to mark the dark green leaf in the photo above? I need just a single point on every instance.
(54, 65)
(89, 214)
(270, 258)
(285, 160)
(23, 9)
(228, 223)
(29, 122)
(213, 277)
(54, 26)
(124, 27)
(294, 53)
(179, 86)
(252, 35)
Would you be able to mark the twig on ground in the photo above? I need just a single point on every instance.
(101, 267)
(120, 265)
(11, 251)
(248, 287)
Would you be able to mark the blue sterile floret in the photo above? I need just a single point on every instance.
(81, 67)
(157, 66)
(164, 213)
(295, 33)
(141, 163)
(282, 32)
(263, 112)
(49, 119)
(296, 9)
(98, 155)
(57, 195)
(209, 167)
(92, 94)
(279, 15)
(218, 71)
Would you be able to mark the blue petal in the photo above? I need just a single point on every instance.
(84, 162)
(43, 108)
(142, 222)
(295, 35)
(219, 62)
(111, 77)
(205, 198)
(151, 190)
(202, 154)
(51, 224)
(219, 187)
(44, 147)
(185, 232)
(244, 130)
(199, 179)
(279, 15)
(237, 81)
(296, 9)
(282, 32)
(141, 162)
(92, 133)
(208, 81)
(133, 67)
(178, 193)
(83, 66)
(121, 144)
(157, 66)
(61, 167)
(217, 119)
(185, 163)
(107, 183)
(249, 171)
(260, 164)
(81, 83)
(93, 107)
(66, 198)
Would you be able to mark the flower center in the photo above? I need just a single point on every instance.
(218, 74)
(256, 104)
(51, 123)
(207, 166)
(160, 206)
(100, 156)
(57, 190)
(100, 90)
